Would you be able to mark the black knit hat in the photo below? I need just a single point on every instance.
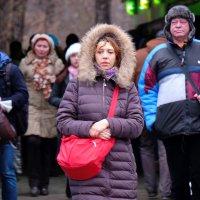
(182, 12)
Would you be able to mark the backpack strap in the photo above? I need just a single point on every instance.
(7, 77)
(183, 67)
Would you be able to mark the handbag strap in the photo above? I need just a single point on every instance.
(184, 68)
(113, 104)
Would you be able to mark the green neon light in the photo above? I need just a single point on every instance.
(130, 7)
(156, 2)
(144, 4)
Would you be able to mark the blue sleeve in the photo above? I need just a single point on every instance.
(148, 92)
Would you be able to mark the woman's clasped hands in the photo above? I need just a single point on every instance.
(101, 130)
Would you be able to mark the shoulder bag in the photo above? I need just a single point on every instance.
(7, 131)
(82, 158)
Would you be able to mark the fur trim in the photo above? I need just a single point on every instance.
(42, 36)
(182, 12)
(87, 72)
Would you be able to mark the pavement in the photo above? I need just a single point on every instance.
(57, 189)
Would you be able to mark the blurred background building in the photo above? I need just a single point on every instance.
(19, 19)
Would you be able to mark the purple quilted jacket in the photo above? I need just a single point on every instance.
(87, 100)
(80, 108)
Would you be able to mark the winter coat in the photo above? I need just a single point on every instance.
(19, 94)
(41, 114)
(59, 88)
(86, 101)
(164, 88)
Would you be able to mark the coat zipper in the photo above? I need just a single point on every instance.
(104, 85)
(106, 162)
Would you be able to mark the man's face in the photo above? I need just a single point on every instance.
(179, 28)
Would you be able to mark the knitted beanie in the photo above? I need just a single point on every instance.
(42, 36)
(182, 12)
(74, 48)
(55, 39)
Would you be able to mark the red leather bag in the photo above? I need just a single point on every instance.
(7, 131)
(82, 158)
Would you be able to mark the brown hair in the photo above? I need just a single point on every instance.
(112, 39)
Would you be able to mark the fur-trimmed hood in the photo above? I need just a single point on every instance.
(87, 71)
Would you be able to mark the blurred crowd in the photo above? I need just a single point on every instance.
(165, 149)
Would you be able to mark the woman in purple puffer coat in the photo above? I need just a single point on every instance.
(107, 59)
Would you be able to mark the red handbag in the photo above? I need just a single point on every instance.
(82, 158)
(7, 131)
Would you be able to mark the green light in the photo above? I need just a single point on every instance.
(130, 7)
(156, 2)
(144, 4)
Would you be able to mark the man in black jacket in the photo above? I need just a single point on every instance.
(10, 103)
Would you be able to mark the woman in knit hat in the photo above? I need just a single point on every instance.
(70, 72)
(40, 68)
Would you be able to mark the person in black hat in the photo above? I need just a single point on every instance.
(70, 39)
(170, 102)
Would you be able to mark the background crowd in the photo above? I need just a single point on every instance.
(60, 83)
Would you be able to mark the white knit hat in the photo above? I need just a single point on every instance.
(43, 36)
(74, 48)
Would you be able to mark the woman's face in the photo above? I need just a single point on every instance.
(41, 48)
(74, 59)
(105, 55)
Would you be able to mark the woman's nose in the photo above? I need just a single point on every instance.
(105, 54)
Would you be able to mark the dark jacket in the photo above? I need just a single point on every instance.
(18, 88)
(86, 101)
(58, 91)
(167, 97)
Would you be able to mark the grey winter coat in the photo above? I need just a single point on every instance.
(87, 101)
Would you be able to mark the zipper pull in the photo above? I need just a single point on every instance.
(104, 83)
